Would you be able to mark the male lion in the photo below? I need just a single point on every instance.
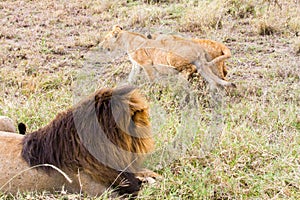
(99, 143)
(164, 52)
(214, 50)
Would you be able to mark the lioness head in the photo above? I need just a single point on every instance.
(110, 41)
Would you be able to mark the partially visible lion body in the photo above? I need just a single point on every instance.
(101, 142)
(17, 177)
(7, 124)
(148, 53)
(216, 50)
(161, 61)
(213, 48)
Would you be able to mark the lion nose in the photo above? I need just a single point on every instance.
(108, 49)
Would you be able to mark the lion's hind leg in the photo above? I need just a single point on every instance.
(210, 77)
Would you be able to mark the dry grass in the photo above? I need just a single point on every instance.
(278, 18)
(197, 19)
(297, 46)
(246, 147)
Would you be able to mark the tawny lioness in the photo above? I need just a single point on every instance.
(164, 52)
(213, 48)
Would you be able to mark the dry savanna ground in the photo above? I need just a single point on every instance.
(244, 145)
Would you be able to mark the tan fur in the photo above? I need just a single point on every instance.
(7, 124)
(12, 164)
(216, 50)
(213, 48)
(182, 54)
(160, 60)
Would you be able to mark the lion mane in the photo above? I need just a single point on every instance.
(105, 137)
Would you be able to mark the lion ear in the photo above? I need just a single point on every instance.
(117, 28)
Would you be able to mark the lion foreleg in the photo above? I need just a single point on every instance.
(149, 69)
(135, 69)
(141, 58)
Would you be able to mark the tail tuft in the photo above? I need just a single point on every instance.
(22, 128)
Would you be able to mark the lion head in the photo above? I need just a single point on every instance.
(110, 41)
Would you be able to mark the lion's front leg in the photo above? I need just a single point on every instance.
(135, 70)
(141, 58)
(149, 69)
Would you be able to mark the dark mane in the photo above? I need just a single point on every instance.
(104, 134)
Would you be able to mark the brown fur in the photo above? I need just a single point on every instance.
(105, 138)
(7, 124)
(147, 53)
